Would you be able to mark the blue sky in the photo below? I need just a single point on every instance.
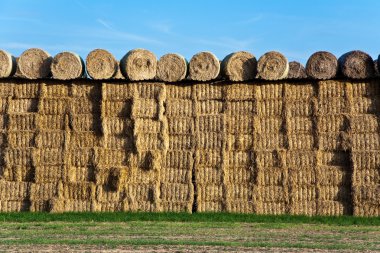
(295, 28)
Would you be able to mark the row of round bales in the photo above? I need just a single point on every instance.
(141, 64)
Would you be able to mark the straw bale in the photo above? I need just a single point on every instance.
(143, 192)
(178, 159)
(332, 123)
(144, 108)
(238, 175)
(48, 174)
(237, 158)
(75, 205)
(334, 208)
(299, 124)
(8, 64)
(365, 159)
(302, 176)
(239, 66)
(18, 156)
(175, 175)
(179, 107)
(67, 66)
(322, 65)
(171, 68)
(366, 209)
(301, 193)
(369, 193)
(53, 122)
(364, 176)
(204, 66)
(272, 66)
(21, 139)
(241, 124)
(304, 207)
(25, 121)
(210, 206)
(363, 105)
(266, 108)
(335, 193)
(356, 65)
(117, 91)
(77, 191)
(84, 140)
(331, 141)
(118, 126)
(242, 192)
(40, 206)
(24, 173)
(101, 64)
(170, 206)
(210, 192)
(181, 142)
(240, 206)
(80, 174)
(84, 106)
(179, 91)
(105, 194)
(177, 192)
(14, 205)
(209, 107)
(139, 64)
(146, 142)
(117, 109)
(296, 71)
(210, 123)
(367, 88)
(177, 125)
(268, 141)
(106, 206)
(23, 105)
(104, 157)
(204, 175)
(209, 140)
(119, 142)
(34, 63)
(300, 141)
(54, 106)
(304, 92)
(363, 123)
(208, 91)
(239, 92)
(273, 208)
(43, 191)
(7, 90)
(14, 190)
(366, 141)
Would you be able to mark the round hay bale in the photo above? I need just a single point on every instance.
(272, 66)
(376, 67)
(239, 66)
(322, 65)
(101, 64)
(67, 66)
(34, 63)
(204, 66)
(171, 68)
(7, 64)
(139, 65)
(356, 65)
(296, 70)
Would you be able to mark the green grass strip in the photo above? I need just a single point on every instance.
(186, 217)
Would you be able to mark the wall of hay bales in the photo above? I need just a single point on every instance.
(282, 147)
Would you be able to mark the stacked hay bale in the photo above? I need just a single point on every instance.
(365, 152)
(270, 190)
(177, 189)
(150, 135)
(18, 128)
(113, 170)
(210, 147)
(333, 171)
(299, 126)
(238, 157)
(49, 158)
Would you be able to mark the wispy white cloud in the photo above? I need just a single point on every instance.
(163, 27)
(250, 20)
(111, 31)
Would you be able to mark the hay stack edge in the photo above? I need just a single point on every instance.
(239, 135)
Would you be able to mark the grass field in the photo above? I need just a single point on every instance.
(162, 232)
